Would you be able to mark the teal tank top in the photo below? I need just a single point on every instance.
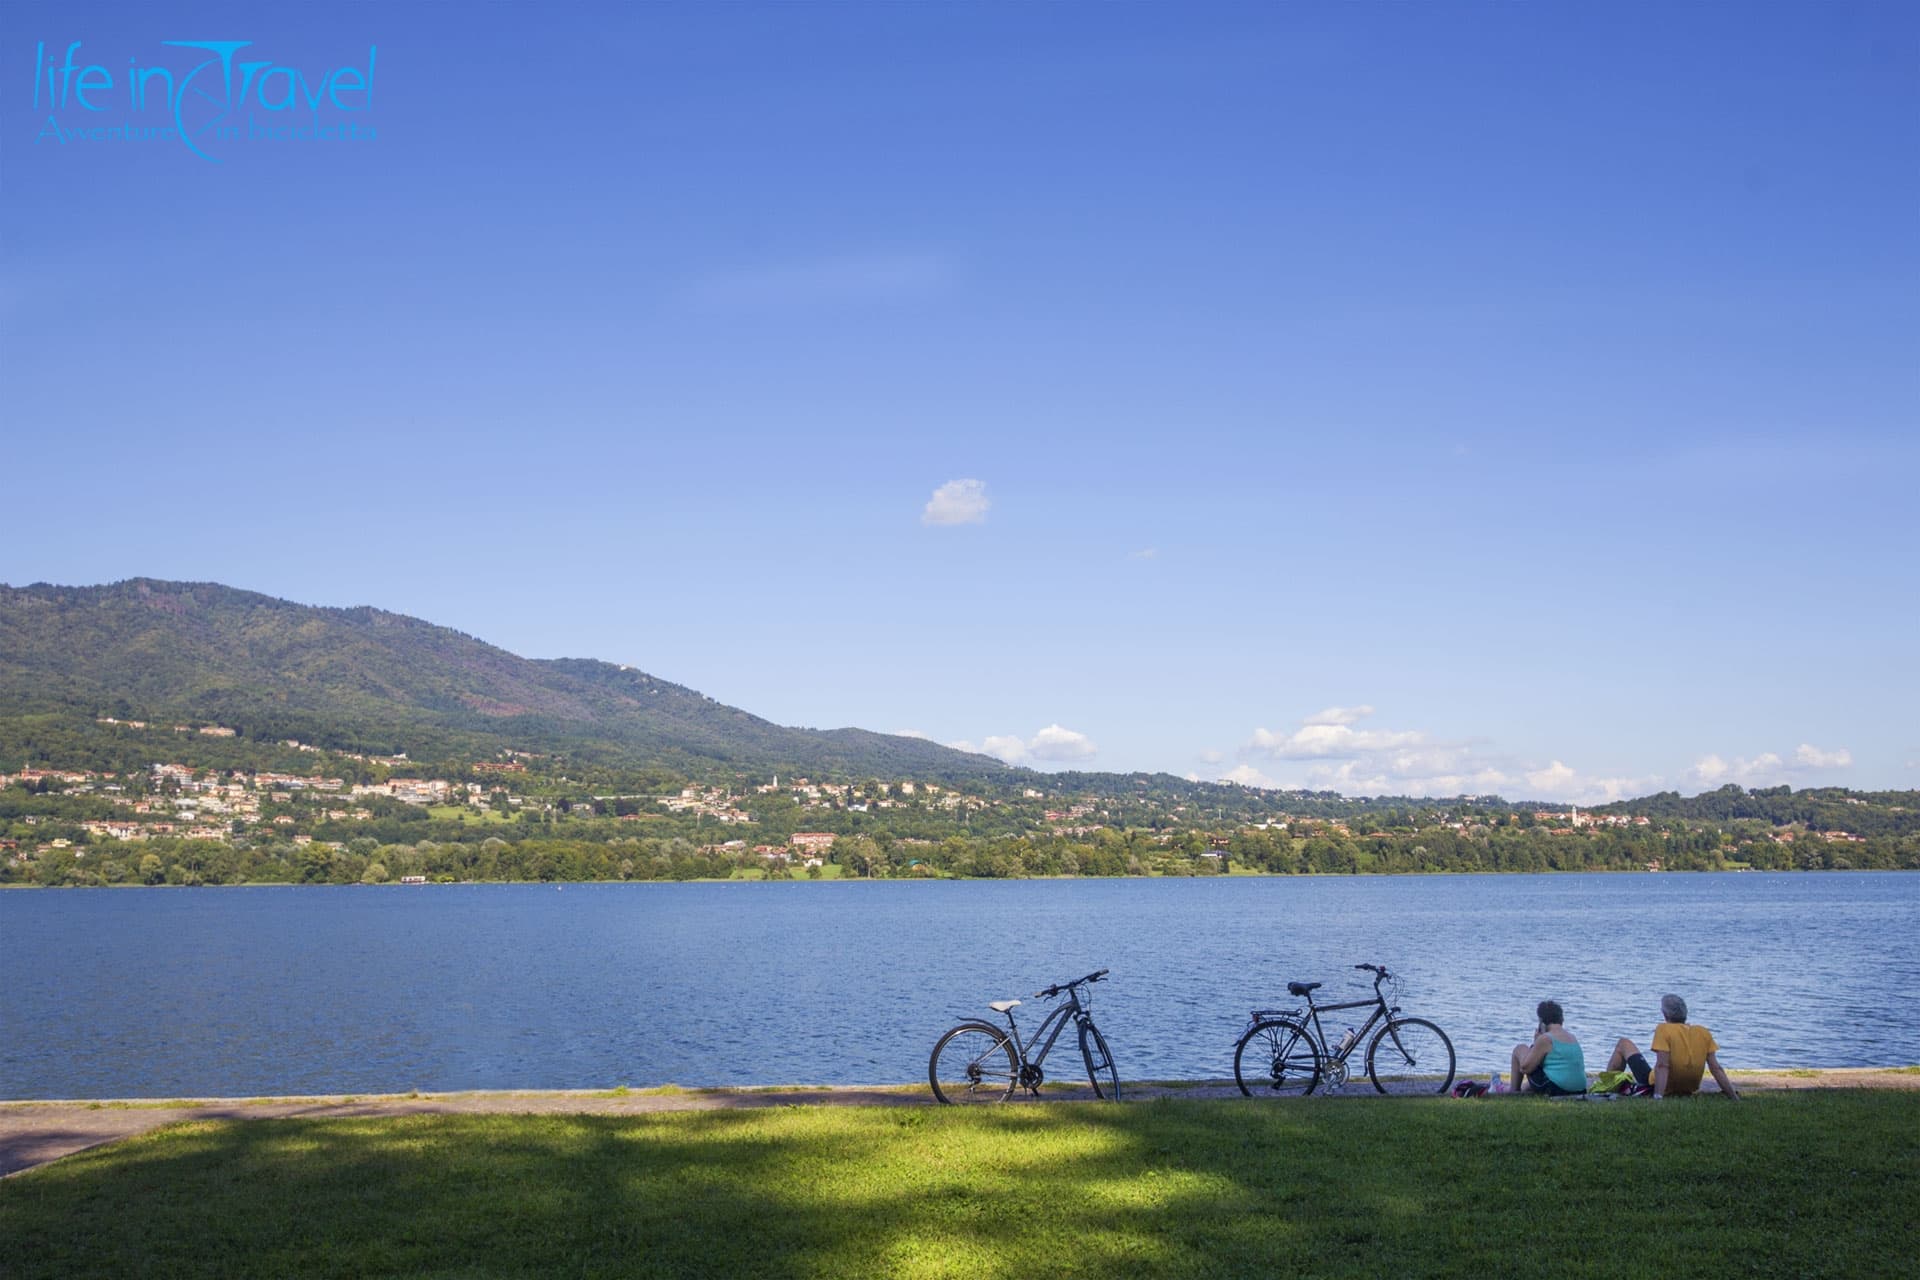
(1566, 1066)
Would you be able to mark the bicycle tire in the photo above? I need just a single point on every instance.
(973, 1063)
(1277, 1057)
(1101, 1073)
(1410, 1054)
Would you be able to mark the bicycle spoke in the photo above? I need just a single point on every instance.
(1276, 1059)
(1412, 1056)
(972, 1063)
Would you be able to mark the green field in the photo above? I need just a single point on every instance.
(462, 813)
(828, 871)
(1805, 1184)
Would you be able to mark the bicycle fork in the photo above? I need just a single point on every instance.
(1098, 1057)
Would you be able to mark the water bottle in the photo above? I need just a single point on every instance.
(1346, 1042)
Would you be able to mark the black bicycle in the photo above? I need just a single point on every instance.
(1286, 1051)
(978, 1062)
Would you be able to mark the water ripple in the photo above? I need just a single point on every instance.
(159, 992)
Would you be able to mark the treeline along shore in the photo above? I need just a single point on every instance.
(190, 733)
(360, 819)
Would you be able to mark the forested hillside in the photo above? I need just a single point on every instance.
(370, 681)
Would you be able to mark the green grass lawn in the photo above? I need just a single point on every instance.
(462, 813)
(1809, 1184)
(828, 871)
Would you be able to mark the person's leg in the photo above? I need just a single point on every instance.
(1515, 1075)
(1622, 1050)
(1642, 1070)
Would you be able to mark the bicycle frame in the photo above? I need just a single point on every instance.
(1293, 1050)
(1380, 1011)
(960, 1060)
(1056, 1019)
(1325, 1044)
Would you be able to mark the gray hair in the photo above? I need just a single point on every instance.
(1673, 1008)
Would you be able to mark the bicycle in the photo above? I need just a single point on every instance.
(978, 1062)
(1285, 1051)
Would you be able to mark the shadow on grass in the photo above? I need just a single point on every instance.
(1813, 1185)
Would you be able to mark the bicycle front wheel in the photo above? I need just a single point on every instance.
(1100, 1068)
(974, 1062)
(1411, 1055)
(1276, 1059)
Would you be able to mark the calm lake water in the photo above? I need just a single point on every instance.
(166, 992)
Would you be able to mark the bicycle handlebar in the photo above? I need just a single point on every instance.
(1058, 987)
(1378, 970)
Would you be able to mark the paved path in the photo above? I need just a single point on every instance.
(33, 1133)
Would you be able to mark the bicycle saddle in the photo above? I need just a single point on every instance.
(1001, 1006)
(1300, 988)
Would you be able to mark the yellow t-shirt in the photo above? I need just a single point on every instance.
(1686, 1047)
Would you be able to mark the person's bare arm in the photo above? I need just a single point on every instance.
(1536, 1053)
(1660, 1061)
(1720, 1077)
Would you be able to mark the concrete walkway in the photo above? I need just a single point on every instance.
(33, 1133)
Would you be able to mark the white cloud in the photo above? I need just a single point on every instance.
(1007, 746)
(1057, 743)
(853, 279)
(1331, 750)
(1552, 778)
(1053, 744)
(1708, 769)
(1768, 768)
(1328, 742)
(1248, 776)
(1807, 756)
(1607, 790)
(1712, 771)
(1334, 755)
(1405, 777)
(1376, 760)
(957, 502)
(1144, 553)
(1339, 715)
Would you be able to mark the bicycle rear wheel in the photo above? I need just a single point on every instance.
(974, 1062)
(1411, 1055)
(1100, 1068)
(1276, 1059)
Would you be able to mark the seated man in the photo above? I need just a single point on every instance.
(1681, 1052)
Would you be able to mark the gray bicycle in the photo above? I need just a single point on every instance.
(1287, 1052)
(978, 1062)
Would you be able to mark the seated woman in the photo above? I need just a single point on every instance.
(1554, 1063)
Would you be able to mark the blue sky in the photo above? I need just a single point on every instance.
(1464, 398)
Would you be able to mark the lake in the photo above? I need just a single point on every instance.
(279, 990)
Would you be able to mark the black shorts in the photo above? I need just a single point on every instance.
(1642, 1073)
(1538, 1079)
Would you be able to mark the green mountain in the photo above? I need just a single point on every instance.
(367, 680)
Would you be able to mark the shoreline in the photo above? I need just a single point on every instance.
(37, 1132)
(843, 880)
